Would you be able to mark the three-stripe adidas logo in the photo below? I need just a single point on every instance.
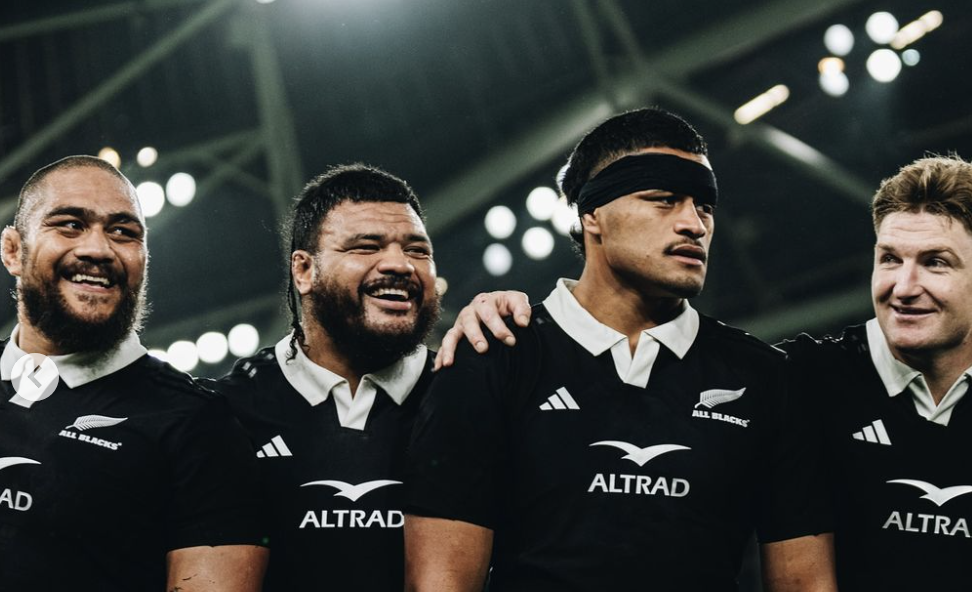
(275, 447)
(561, 400)
(873, 433)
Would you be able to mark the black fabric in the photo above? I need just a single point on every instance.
(640, 172)
(105, 504)
(319, 540)
(571, 515)
(887, 536)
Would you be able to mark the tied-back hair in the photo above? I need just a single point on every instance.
(940, 185)
(351, 182)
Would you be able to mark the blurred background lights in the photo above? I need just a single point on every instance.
(564, 217)
(159, 354)
(180, 189)
(109, 154)
(500, 222)
(212, 347)
(497, 259)
(244, 340)
(147, 156)
(881, 27)
(834, 83)
(910, 57)
(151, 196)
(538, 243)
(441, 285)
(183, 355)
(762, 104)
(541, 203)
(884, 65)
(917, 29)
(839, 40)
(830, 65)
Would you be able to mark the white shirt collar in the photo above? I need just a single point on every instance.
(316, 383)
(677, 335)
(898, 377)
(79, 368)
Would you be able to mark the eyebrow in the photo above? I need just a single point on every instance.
(89, 214)
(412, 238)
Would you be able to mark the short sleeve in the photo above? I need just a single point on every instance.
(214, 496)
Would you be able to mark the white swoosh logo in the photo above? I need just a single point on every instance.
(713, 397)
(641, 455)
(353, 492)
(10, 461)
(934, 494)
(87, 422)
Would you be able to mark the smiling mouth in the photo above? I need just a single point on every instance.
(90, 280)
(390, 294)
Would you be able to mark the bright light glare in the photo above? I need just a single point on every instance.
(830, 65)
(761, 105)
(497, 259)
(564, 217)
(541, 203)
(212, 347)
(159, 354)
(147, 156)
(884, 65)
(839, 40)
(538, 243)
(180, 189)
(109, 154)
(500, 222)
(910, 57)
(881, 27)
(183, 355)
(834, 84)
(244, 340)
(917, 29)
(151, 196)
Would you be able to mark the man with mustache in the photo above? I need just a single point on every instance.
(123, 474)
(626, 441)
(331, 405)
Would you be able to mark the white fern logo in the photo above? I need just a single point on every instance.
(89, 422)
(713, 397)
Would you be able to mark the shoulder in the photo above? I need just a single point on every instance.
(252, 379)
(851, 342)
(736, 342)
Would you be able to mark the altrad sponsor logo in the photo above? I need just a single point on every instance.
(339, 518)
(13, 499)
(640, 484)
(925, 523)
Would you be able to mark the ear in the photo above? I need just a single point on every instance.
(590, 223)
(302, 268)
(12, 246)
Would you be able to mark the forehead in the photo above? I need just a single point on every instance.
(374, 217)
(699, 158)
(923, 230)
(85, 187)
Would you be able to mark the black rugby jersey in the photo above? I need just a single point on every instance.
(99, 482)
(333, 494)
(590, 483)
(901, 485)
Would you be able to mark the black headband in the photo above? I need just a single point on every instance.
(640, 172)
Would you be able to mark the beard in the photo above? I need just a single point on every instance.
(367, 347)
(49, 312)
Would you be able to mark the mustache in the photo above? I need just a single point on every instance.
(112, 274)
(397, 282)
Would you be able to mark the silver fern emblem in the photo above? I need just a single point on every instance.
(88, 422)
(713, 397)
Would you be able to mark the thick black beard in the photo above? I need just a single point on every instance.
(49, 313)
(367, 349)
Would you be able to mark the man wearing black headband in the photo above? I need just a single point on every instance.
(627, 441)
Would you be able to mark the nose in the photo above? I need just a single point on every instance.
(95, 246)
(688, 222)
(394, 261)
(907, 281)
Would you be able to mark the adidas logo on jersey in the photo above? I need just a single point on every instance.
(275, 447)
(930, 523)
(875, 433)
(640, 484)
(336, 518)
(12, 499)
(90, 422)
(559, 401)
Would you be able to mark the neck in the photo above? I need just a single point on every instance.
(940, 369)
(321, 349)
(621, 306)
(32, 341)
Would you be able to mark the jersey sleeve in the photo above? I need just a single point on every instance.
(214, 487)
(459, 439)
(795, 501)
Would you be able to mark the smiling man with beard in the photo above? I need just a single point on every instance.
(126, 473)
(330, 407)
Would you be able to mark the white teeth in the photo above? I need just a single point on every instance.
(391, 292)
(78, 277)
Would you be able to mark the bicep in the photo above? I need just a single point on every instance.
(801, 564)
(223, 568)
(443, 554)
